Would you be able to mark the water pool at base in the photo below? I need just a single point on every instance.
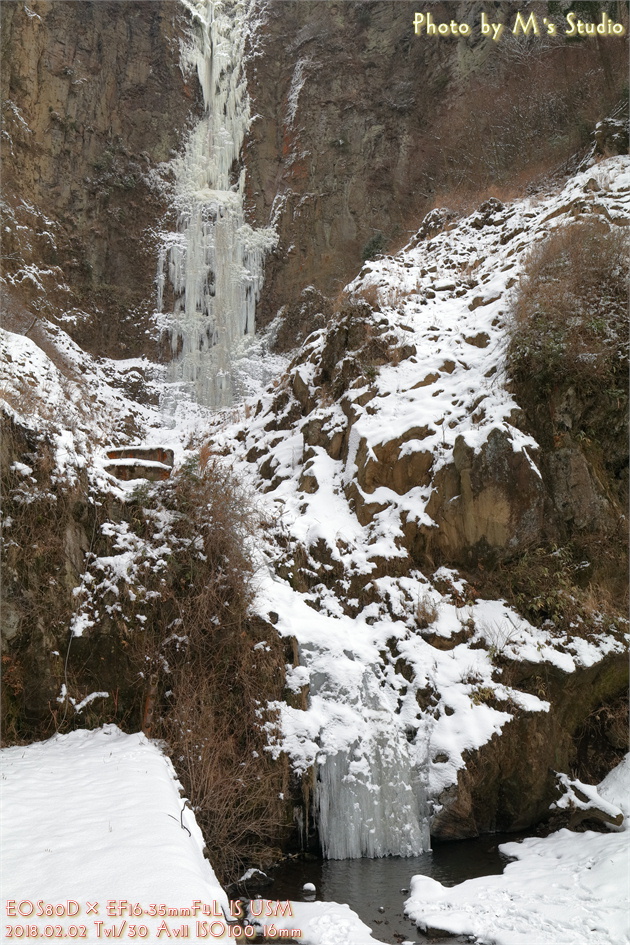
(369, 886)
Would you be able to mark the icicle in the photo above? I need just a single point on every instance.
(215, 260)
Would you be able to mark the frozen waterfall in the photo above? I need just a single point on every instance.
(214, 261)
(370, 796)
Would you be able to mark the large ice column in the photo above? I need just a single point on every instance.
(214, 262)
(370, 795)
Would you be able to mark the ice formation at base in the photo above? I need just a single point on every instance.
(367, 806)
(370, 797)
(214, 262)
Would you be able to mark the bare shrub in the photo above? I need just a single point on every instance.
(499, 635)
(477, 150)
(218, 749)
(210, 668)
(568, 361)
(397, 295)
(11, 695)
(466, 620)
(602, 740)
(570, 312)
(426, 612)
(353, 301)
(546, 586)
(368, 293)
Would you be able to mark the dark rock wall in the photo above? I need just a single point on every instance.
(345, 97)
(360, 126)
(94, 99)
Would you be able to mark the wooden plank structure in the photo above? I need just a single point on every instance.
(154, 463)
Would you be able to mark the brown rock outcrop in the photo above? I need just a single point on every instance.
(388, 464)
(491, 500)
(510, 782)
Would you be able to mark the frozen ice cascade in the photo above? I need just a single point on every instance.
(370, 795)
(214, 260)
(369, 798)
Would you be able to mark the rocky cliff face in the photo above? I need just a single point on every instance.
(345, 97)
(94, 100)
(361, 126)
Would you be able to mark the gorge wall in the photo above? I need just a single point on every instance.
(359, 127)
(93, 100)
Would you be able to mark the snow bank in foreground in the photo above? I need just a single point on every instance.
(323, 923)
(566, 888)
(94, 816)
(90, 826)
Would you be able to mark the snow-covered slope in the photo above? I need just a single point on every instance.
(348, 452)
(442, 310)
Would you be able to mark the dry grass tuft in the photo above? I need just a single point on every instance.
(570, 312)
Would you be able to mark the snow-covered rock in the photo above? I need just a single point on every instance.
(561, 889)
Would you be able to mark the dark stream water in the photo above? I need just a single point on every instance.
(369, 886)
